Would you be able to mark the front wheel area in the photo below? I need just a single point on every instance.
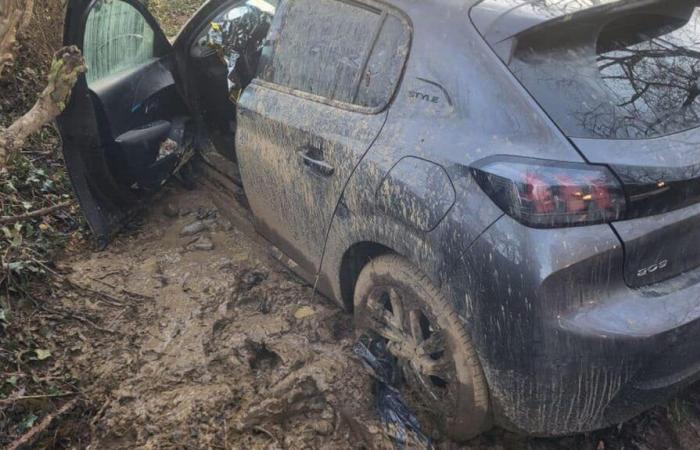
(440, 374)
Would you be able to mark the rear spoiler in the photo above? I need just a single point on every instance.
(501, 20)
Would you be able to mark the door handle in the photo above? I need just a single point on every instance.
(313, 159)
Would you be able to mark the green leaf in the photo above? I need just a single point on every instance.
(42, 354)
(3, 315)
(28, 422)
(12, 380)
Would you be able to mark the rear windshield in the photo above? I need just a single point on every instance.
(631, 75)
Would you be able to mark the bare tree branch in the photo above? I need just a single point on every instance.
(67, 65)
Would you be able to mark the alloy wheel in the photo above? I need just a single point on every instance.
(421, 348)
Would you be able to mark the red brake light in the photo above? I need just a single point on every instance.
(543, 194)
(538, 193)
(601, 195)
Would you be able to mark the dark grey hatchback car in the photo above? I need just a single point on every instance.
(506, 192)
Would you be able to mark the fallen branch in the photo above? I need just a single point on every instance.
(32, 435)
(5, 220)
(67, 65)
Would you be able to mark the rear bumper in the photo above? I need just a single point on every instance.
(651, 338)
(566, 345)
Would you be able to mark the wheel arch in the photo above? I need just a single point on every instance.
(355, 258)
(367, 243)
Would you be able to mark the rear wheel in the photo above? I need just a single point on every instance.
(441, 377)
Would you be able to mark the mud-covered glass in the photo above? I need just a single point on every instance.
(117, 38)
(322, 47)
(343, 51)
(383, 70)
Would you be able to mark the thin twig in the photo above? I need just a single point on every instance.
(122, 290)
(6, 220)
(225, 434)
(109, 274)
(68, 315)
(28, 438)
(6, 401)
(102, 296)
(65, 314)
(262, 430)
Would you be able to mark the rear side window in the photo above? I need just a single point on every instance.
(340, 51)
(117, 38)
(385, 65)
(631, 74)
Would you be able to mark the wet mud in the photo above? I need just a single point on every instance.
(202, 339)
(213, 343)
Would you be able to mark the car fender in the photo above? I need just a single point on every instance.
(417, 193)
(413, 207)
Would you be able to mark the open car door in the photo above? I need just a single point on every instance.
(126, 128)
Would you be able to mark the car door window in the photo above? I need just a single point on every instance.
(322, 47)
(339, 50)
(117, 38)
(385, 65)
(237, 35)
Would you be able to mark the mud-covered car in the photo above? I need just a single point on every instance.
(505, 192)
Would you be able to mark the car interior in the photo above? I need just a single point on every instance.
(141, 118)
(145, 125)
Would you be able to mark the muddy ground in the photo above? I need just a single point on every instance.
(188, 333)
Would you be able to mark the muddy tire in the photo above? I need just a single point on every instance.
(441, 377)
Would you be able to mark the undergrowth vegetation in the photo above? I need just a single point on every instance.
(33, 381)
(36, 335)
(173, 14)
(35, 178)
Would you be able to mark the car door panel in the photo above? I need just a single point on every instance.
(139, 109)
(328, 72)
(137, 97)
(121, 111)
(295, 157)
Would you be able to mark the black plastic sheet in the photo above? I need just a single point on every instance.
(400, 423)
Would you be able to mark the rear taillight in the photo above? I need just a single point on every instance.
(550, 194)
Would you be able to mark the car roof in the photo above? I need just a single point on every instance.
(498, 20)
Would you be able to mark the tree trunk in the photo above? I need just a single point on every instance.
(67, 65)
(14, 18)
